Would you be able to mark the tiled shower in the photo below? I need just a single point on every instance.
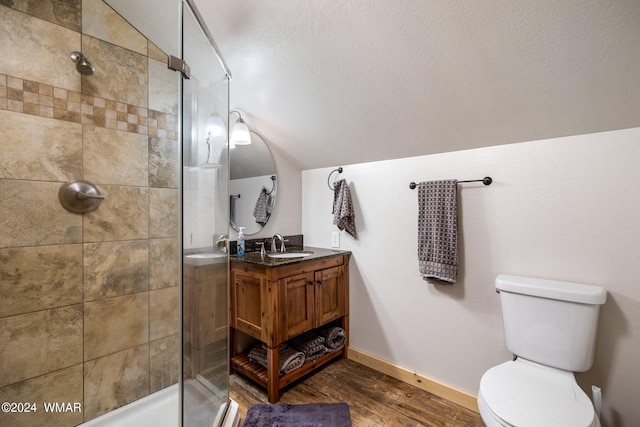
(89, 304)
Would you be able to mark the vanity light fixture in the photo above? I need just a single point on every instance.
(240, 132)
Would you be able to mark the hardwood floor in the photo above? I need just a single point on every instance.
(374, 399)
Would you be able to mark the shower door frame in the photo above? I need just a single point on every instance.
(188, 138)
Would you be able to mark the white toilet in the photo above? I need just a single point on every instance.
(551, 328)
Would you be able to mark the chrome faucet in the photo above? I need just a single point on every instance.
(273, 243)
(220, 243)
(262, 251)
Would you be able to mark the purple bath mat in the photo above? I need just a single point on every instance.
(309, 415)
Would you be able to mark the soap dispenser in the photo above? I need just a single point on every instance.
(240, 251)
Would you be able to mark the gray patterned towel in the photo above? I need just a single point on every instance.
(258, 354)
(261, 209)
(334, 337)
(314, 353)
(289, 358)
(343, 214)
(306, 341)
(438, 230)
(311, 344)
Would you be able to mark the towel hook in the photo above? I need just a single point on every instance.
(273, 184)
(339, 170)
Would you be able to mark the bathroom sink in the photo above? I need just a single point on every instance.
(205, 256)
(283, 255)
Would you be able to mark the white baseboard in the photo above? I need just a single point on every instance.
(445, 391)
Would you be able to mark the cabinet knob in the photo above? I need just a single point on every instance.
(311, 283)
(321, 282)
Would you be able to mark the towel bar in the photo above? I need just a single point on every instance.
(486, 181)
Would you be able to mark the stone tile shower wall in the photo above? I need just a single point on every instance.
(89, 304)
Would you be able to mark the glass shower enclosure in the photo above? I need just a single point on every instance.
(203, 80)
(107, 308)
(205, 218)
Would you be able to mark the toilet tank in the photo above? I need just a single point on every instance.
(551, 322)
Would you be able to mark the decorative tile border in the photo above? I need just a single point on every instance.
(38, 99)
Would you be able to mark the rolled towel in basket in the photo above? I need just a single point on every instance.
(334, 337)
(289, 358)
(314, 353)
(307, 342)
(311, 344)
(258, 354)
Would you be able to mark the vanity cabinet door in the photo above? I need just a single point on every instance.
(297, 293)
(247, 295)
(311, 300)
(329, 295)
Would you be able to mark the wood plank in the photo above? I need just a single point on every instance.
(443, 390)
(417, 404)
(374, 399)
(243, 365)
(366, 397)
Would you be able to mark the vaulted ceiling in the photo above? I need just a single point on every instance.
(333, 82)
(347, 81)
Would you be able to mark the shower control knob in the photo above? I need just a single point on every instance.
(80, 196)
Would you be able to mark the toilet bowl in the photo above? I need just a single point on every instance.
(525, 394)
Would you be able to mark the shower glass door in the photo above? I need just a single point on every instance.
(205, 219)
(204, 194)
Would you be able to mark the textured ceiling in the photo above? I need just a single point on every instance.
(334, 82)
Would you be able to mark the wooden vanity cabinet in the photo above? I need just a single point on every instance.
(276, 303)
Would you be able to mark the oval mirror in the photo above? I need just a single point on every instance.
(252, 185)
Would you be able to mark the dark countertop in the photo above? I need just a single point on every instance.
(317, 253)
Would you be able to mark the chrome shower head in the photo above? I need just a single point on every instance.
(83, 65)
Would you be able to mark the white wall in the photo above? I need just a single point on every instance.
(565, 208)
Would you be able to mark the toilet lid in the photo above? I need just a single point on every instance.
(526, 394)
